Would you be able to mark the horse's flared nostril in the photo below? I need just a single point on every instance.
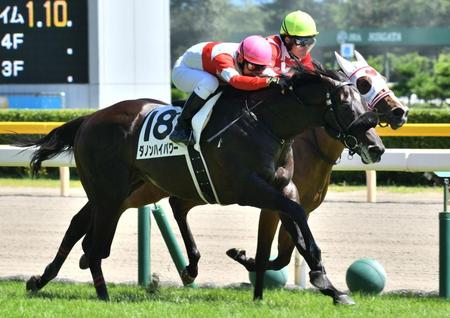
(400, 112)
(376, 152)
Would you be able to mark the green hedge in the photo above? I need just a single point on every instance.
(37, 115)
(42, 115)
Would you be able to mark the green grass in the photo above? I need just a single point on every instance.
(78, 300)
(54, 183)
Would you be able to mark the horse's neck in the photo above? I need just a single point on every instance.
(327, 147)
(287, 117)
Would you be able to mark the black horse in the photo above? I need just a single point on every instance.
(245, 162)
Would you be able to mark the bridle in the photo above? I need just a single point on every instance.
(334, 124)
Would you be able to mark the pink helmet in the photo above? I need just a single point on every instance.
(256, 49)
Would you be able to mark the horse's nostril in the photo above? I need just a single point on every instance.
(376, 150)
(399, 112)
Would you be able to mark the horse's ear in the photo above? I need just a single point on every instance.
(347, 66)
(328, 79)
(360, 58)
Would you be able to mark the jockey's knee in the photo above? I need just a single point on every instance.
(207, 86)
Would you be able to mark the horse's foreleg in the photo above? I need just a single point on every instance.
(267, 227)
(77, 228)
(285, 248)
(317, 277)
(261, 194)
(263, 250)
(180, 209)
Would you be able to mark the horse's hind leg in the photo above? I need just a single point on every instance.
(108, 187)
(77, 228)
(180, 209)
(97, 243)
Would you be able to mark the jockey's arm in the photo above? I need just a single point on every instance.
(227, 71)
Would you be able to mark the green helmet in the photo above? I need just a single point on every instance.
(298, 23)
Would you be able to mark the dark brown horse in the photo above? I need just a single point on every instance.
(245, 162)
(315, 153)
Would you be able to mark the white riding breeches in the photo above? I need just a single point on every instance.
(189, 79)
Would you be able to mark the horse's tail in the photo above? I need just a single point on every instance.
(56, 141)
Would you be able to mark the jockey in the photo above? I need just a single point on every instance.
(202, 66)
(296, 39)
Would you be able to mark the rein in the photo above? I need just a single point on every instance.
(246, 111)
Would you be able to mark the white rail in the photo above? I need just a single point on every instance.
(413, 160)
(11, 156)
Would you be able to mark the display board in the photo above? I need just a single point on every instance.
(43, 41)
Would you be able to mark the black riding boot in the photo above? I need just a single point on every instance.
(183, 130)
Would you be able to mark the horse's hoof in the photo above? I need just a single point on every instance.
(32, 283)
(186, 278)
(235, 253)
(343, 300)
(83, 263)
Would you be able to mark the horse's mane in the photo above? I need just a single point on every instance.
(303, 73)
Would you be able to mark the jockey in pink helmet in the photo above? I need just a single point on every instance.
(200, 69)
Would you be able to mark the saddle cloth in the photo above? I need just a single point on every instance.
(154, 143)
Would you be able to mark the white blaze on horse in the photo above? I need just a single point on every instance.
(374, 88)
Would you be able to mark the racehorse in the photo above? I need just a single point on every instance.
(315, 153)
(245, 161)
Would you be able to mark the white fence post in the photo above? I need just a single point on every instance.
(371, 181)
(300, 268)
(64, 178)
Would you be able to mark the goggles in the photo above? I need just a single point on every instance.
(304, 41)
(255, 67)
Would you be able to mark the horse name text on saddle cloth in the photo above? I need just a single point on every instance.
(154, 143)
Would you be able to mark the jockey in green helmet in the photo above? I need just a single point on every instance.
(294, 43)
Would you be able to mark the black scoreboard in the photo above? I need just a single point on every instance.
(43, 41)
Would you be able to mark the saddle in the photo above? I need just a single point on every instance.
(154, 143)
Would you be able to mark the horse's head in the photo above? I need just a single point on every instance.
(374, 89)
(347, 116)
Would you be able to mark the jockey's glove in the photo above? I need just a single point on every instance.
(282, 82)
